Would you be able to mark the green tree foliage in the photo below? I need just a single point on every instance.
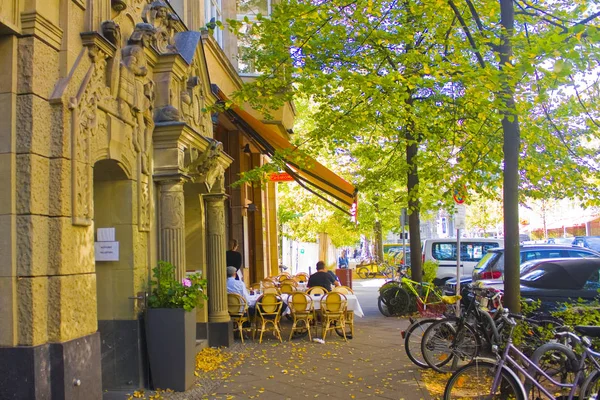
(417, 98)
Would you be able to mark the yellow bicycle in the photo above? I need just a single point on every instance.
(405, 296)
(373, 268)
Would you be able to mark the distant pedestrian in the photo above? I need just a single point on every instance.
(343, 260)
(233, 257)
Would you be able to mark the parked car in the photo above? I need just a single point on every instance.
(491, 266)
(590, 242)
(562, 241)
(558, 281)
(443, 251)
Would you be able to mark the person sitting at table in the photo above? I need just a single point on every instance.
(238, 287)
(322, 278)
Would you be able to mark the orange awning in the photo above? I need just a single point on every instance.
(307, 171)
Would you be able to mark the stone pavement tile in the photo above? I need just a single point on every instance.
(373, 365)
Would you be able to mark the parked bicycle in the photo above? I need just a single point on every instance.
(499, 378)
(374, 268)
(453, 342)
(403, 296)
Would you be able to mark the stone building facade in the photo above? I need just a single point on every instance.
(104, 125)
(105, 122)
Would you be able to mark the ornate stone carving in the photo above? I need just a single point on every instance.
(134, 68)
(167, 113)
(112, 32)
(159, 16)
(118, 5)
(84, 124)
(172, 224)
(143, 201)
(205, 168)
(192, 103)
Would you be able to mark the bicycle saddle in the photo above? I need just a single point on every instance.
(451, 299)
(591, 331)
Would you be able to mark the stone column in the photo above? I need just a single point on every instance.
(215, 257)
(172, 225)
(220, 332)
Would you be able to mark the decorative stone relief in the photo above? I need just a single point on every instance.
(205, 168)
(84, 124)
(134, 68)
(159, 16)
(118, 5)
(192, 104)
(172, 206)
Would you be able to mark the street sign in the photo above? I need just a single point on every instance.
(403, 217)
(460, 217)
(280, 177)
(460, 195)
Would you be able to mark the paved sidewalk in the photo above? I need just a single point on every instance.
(373, 365)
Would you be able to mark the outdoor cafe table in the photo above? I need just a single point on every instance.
(353, 304)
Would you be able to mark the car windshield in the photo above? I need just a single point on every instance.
(594, 243)
(486, 260)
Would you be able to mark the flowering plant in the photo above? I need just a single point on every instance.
(168, 292)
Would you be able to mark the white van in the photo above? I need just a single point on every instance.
(443, 251)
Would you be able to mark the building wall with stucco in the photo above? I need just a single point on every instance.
(105, 124)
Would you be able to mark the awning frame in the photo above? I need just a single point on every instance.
(292, 168)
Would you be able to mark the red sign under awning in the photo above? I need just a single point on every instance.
(280, 177)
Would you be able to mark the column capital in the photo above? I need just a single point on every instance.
(171, 180)
(215, 197)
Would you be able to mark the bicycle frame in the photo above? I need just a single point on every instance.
(508, 359)
(429, 289)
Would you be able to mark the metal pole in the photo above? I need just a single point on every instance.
(403, 223)
(458, 274)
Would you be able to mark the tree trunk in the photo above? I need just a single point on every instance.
(414, 224)
(510, 127)
(378, 241)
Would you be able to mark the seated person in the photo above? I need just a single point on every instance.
(238, 287)
(322, 278)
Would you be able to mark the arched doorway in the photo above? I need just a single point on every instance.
(118, 322)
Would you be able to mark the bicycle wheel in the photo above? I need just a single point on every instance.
(395, 298)
(449, 344)
(559, 362)
(590, 389)
(363, 272)
(383, 308)
(412, 341)
(474, 381)
(386, 270)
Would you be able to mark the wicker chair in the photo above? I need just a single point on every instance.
(333, 312)
(302, 310)
(317, 290)
(268, 315)
(238, 311)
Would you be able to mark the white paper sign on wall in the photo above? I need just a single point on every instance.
(107, 251)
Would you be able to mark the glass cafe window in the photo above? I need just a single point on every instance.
(214, 12)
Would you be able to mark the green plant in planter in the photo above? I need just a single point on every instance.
(168, 292)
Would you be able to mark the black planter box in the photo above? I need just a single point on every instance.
(171, 340)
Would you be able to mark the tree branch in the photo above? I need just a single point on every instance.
(475, 15)
(468, 33)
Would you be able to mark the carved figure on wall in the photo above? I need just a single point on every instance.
(112, 32)
(167, 113)
(159, 16)
(187, 99)
(134, 67)
(206, 168)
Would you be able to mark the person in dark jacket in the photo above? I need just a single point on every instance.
(322, 278)
(233, 257)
